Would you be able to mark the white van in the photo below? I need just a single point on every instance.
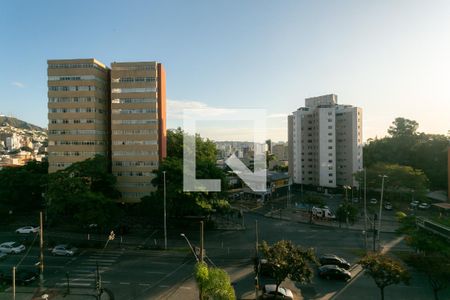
(323, 213)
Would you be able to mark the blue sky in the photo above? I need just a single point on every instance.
(392, 58)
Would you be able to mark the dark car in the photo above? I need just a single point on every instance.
(265, 268)
(331, 259)
(334, 272)
(23, 277)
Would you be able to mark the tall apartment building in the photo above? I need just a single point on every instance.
(78, 111)
(138, 128)
(119, 113)
(325, 142)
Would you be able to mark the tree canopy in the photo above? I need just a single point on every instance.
(21, 188)
(347, 212)
(407, 147)
(436, 267)
(214, 283)
(401, 181)
(384, 270)
(403, 127)
(84, 192)
(180, 203)
(286, 260)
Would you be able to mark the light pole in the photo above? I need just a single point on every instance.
(190, 246)
(365, 209)
(381, 206)
(346, 187)
(165, 212)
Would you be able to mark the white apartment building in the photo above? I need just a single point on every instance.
(325, 142)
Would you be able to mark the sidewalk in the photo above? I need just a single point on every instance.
(27, 293)
(300, 216)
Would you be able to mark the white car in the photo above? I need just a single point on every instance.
(28, 229)
(12, 247)
(424, 205)
(65, 250)
(282, 293)
(414, 204)
(373, 201)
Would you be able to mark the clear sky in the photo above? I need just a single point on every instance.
(392, 58)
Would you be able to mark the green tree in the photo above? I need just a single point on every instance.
(401, 180)
(384, 270)
(285, 260)
(406, 147)
(179, 202)
(435, 267)
(214, 283)
(347, 213)
(421, 240)
(21, 188)
(403, 127)
(83, 192)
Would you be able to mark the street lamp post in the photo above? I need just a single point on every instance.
(381, 206)
(165, 212)
(365, 209)
(190, 246)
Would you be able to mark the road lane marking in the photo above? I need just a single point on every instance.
(144, 284)
(163, 286)
(186, 287)
(101, 260)
(155, 272)
(82, 279)
(124, 283)
(74, 284)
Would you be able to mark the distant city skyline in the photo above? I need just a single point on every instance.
(392, 59)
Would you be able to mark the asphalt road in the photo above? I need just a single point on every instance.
(151, 274)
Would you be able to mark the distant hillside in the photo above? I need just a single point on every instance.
(18, 123)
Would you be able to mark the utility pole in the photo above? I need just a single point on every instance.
(165, 213)
(374, 231)
(201, 242)
(381, 206)
(68, 286)
(41, 244)
(98, 284)
(365, 210)
(257, 260)
(201, 255)
(14, 282)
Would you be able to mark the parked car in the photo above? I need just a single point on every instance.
(355, 200)
(424, 205)
(388, 206)
(12, 247)
(373, 201)
(334, 272)
(264, 268)
(64, 250)
(28, 229)
(414, 204)
(331, 259)
(23, 277)
(270, 292)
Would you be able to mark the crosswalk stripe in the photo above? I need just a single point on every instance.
(73, 284)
